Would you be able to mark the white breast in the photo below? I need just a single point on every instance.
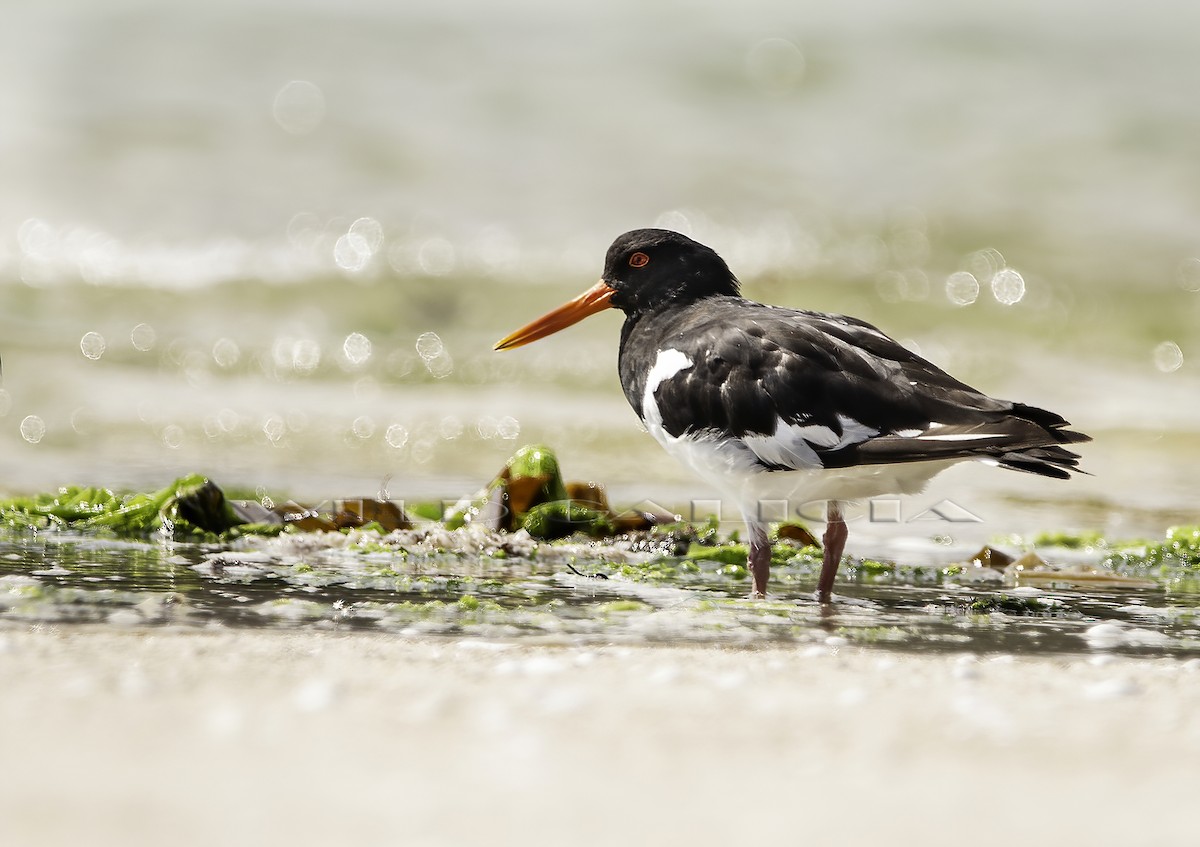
(732, 465)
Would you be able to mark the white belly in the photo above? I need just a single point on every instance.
(730, 466)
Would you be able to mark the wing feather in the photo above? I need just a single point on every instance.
(804, 389)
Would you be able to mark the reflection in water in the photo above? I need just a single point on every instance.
(558, 597)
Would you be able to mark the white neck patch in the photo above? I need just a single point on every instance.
(668, 363)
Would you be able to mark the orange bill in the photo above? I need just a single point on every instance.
(595, 299)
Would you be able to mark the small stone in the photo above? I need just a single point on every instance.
(1028, 562)
(990, 557)
(364, 511)
(797, 534)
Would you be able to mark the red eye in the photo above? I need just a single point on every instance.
(639, 260)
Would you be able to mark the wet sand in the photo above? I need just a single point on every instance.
(255, 737)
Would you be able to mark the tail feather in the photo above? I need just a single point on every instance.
(1025, 439)
(1052, 461)
(1054, 424)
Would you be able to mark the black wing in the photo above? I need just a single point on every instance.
(796, 385)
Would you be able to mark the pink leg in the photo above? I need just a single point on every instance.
(760, 560)
(835, 541)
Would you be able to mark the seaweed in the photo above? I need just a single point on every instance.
(1007, 604)
(190, 507)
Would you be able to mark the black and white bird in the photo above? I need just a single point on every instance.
(767, 403)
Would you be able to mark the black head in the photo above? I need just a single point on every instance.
(645, 269)
(648, 268)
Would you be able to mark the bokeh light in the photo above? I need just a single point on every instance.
(775, 66)
(962, 288)
(436, 256)
(92, 345)
(357, 349)
(226, 353)
(1189, 274)
(1008, 286)
(143, 337)
(33, 429)
(1168, 357)
(396, 436)
(363, 427)
(299, 107)
(172, 436)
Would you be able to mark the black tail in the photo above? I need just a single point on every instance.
(1056, 462)
(1045, 460)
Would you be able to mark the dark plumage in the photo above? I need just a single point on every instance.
(751, 395)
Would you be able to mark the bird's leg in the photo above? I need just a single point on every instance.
(834, 541)
(759, 560)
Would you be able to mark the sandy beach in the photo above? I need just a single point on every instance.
(154, 736)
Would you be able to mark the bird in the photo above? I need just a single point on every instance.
(766, 403)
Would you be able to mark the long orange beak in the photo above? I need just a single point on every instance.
(595, 299)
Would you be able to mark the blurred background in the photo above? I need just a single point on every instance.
(273, 242)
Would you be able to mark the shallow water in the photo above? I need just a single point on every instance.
(568, 595)
(274, 244)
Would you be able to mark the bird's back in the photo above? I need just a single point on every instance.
(807, 390)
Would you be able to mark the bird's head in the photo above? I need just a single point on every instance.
(645, 269)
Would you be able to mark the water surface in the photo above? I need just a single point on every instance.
(580, 594)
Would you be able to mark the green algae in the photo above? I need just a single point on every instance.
(530, 477)
(426, 510)
(1069, 540)
(191, 507)
(293, 585)
(1178, 554)
(739, 554)
(620, 606)
(1182, 545)
(1008, 604)
(561, 518)
(725, 554)
(689, 554)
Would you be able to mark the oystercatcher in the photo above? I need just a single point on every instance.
(768, 403)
